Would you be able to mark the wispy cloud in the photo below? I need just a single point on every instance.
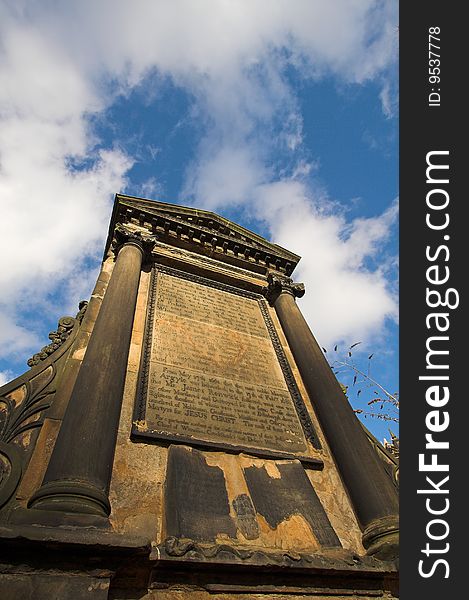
(5, 377)
(350, 294)
(61, 64)
(347, 299)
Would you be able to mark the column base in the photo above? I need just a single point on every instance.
(71, 497)
(381, 538)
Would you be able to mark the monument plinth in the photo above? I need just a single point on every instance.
(186, 432)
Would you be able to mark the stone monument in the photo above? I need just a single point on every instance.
(183, 436)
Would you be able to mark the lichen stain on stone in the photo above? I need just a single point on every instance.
(17, 395)
(82, 342)
(336, 503)
(294, 534)
(236, 487)
(141, 425)
(246, 516)
(229, 464)
(100, 585)
(269, 465)
(136, 489)
(79, 354)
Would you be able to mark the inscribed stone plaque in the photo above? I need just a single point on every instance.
(212, 372)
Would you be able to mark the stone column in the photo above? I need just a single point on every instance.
(371, 490)
(79, 472)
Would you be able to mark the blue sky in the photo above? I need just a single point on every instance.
(279, 115)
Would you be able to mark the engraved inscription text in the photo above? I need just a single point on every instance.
(214, 375)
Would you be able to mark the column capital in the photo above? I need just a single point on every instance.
(124, 236)
(278, 284)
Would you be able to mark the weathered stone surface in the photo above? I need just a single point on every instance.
(78, 475)
(196, 500)
(32, 478)
(243, 501)
(139, 468)
(329, 488)
(136, 490)
(280, 498)
(213, 373)
(23, 405)
(188, 594)
(246, 516)
(371, 490)
(52, 587)
(139, 474)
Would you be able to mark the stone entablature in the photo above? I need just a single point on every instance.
(205, 233)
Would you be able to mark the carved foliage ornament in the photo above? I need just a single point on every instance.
(59, 336)
(18, 416)
(278, 284)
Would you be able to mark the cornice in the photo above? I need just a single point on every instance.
(203, 232)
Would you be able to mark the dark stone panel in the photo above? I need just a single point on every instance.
(196, 501)
(52, 587)
(246, 517)
(292, 493)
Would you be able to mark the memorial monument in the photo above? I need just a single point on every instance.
(183, 436)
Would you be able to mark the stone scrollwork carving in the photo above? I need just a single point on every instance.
(19, 415)
(278, 284)
(10, 471)
(125, 235)
(59, 336)
(177, 548)
(24, 401)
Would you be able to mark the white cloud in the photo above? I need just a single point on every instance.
(228, 176)
(345, 300)
(6, 376)
(349, 296)
(16, 338)
(61, 63)
(56, 216)
(388, 97)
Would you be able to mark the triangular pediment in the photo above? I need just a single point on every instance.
(202, 227)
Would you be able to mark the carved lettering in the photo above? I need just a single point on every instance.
(213, 372)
